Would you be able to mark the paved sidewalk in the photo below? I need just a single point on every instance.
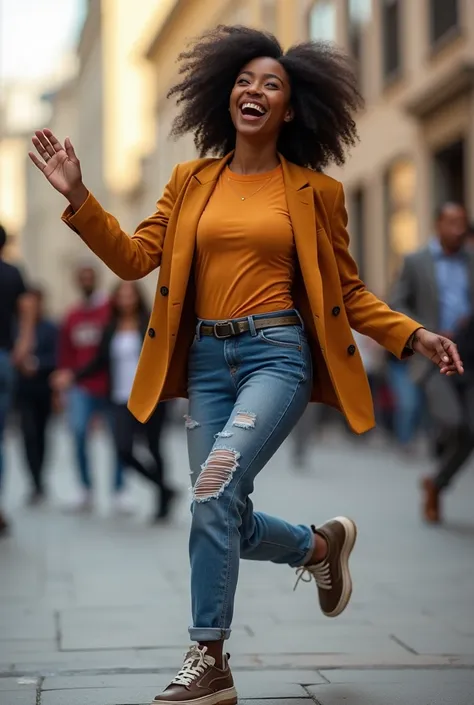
(94, 610)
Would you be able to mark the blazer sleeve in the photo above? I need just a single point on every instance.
(128, 257)
(366, 313)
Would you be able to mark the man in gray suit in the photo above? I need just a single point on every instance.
(436, 287)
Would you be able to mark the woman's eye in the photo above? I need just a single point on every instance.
(242, 80)
(272, 85)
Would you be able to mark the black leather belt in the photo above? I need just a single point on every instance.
(227, 329)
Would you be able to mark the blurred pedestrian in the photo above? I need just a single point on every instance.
(34, 395)
(470, 237)
(16, 307)
(255, 245)
(408, 402)
(118, 354)
(437, 286)
(80, 335)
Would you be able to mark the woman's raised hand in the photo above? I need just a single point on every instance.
(59, 165)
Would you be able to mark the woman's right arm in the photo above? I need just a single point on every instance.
(128, 257)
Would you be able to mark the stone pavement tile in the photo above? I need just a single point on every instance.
(420, 692)
(274, 684)
(111, 680)
(27, 697)
(120, 627)
(18, 622)
(18, 683)
(402, 675)
(59, 662)
(276, 701)
(436, 639)
(12, 649)
(100, 696)
(307, 638)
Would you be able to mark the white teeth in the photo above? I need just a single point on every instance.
(254, 106)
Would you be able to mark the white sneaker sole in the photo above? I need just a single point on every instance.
(351, 536)
(223, 697)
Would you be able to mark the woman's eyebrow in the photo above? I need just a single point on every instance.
(265, 75)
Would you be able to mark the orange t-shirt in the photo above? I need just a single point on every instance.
(245, 251)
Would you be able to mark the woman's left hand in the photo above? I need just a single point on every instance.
(440, 350)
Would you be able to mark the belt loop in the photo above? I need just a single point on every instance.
(252, 329)
(198, 330)
(300, 317)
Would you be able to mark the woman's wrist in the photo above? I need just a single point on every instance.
(77, 197)
(414, 338)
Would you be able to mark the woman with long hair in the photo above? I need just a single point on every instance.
(256, 298)
(118, 353)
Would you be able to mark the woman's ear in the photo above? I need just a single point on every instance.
(290, 114)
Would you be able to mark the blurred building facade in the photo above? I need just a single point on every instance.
(415, 62)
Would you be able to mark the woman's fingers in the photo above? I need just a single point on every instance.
(40, 149)
(56, 144)
(37, 162)
(70, 151)
(45, 143)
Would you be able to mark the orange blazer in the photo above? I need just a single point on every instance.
(327, 290)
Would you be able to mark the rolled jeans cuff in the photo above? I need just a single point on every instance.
(208, 634)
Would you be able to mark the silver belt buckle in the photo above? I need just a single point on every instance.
(228, 332)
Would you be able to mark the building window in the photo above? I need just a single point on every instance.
(449, 174)
(444, 18)
(322, 21)
(357, 228)
(391, 39)
(358, 15)
(401, 221)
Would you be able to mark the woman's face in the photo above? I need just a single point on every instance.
(260, 99)
(126, 298)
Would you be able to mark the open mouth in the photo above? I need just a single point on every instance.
(252, 111)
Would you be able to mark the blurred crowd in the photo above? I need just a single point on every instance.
(83, 367)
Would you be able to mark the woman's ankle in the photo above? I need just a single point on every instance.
(216, 650)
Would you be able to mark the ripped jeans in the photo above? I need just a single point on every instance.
(246, 393)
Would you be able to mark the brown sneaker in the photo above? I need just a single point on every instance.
(431, 503)
(332, 575)
(200, 681)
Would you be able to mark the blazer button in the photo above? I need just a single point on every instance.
(336, 311)
(164, 291)
(151, 332)
(351, 349)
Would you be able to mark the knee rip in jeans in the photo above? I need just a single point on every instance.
(190, 423)
(245, 419)
(216, 475)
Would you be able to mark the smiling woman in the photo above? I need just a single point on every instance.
(256, 299)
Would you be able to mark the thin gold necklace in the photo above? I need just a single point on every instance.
(245, 198)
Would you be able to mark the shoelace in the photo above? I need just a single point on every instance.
(320, 572)
(195, 664)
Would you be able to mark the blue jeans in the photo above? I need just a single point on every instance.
(246, 393)
(6, 388)
(82, 406)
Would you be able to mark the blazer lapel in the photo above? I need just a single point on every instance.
(196, 197)
(300, 201)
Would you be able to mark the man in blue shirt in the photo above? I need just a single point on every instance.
(436, 287)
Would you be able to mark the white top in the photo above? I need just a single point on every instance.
(124, 353)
